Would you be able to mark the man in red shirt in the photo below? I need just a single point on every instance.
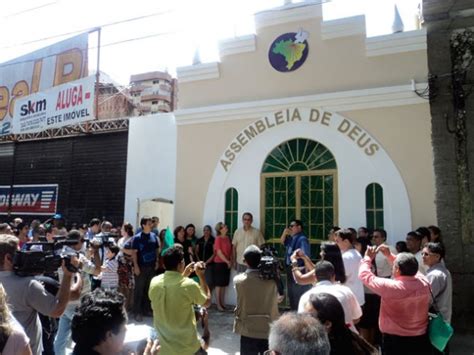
(404, 305)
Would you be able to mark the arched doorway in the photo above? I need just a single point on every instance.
(299, 180)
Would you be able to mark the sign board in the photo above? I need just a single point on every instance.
(40, 70)
(29, 199)
(62, 105)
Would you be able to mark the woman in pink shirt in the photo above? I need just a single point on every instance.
(222, 263)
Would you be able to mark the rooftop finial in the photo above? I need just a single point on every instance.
(197, 56)
(397, 25)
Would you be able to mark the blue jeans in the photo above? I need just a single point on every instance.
(64, 331)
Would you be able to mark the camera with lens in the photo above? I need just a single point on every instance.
(103, 240)
(269, 266)
(37, 258)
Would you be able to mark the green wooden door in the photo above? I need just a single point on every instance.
(280, 204)
(299, 181)
(317, 204)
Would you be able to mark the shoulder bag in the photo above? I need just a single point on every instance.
(439, 330)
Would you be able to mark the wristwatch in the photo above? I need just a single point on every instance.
(294, 264)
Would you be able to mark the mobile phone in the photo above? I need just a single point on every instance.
(153, 334)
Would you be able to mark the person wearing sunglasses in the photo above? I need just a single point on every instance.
(293, 238)
(439, 277)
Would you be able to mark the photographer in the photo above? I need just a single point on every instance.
(100, 241)
(28, 296)
(81, 287)
(173, 295)
(257, 305)
(293, 238)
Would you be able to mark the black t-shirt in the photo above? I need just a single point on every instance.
(186, 245)
(206, 248)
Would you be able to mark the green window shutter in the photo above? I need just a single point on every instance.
(231, 209)
(374, 206)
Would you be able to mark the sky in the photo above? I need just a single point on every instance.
(173, 29)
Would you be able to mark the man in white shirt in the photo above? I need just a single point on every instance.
(326, 277)
(244, 237)
(414, 245)
(351, 259)
(383, 266)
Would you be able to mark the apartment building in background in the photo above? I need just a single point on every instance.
(153, 92)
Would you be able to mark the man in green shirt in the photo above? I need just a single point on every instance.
(173, 296)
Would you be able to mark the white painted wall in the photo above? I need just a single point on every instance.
(151, 161)
(355, 171)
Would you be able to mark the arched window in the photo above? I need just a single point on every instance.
(299, 180)
(374, 206)
(231, 209)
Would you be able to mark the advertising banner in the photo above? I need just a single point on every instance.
(29, 199)
(62, 105)
(40, 70)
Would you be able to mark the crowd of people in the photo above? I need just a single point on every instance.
(362, 296)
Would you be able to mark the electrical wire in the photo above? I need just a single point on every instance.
(159, 34)
(89, 29)
(114, 23)
(29, 10)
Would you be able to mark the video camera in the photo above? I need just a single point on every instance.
(103, 239)
(44, 257)
(269, 266)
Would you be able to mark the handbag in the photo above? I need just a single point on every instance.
(439, 330)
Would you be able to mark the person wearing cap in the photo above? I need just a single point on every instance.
(17, 221)
(257, 304)
(58, 222)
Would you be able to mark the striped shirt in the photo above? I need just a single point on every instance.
(109, 274)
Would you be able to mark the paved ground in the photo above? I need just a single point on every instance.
(224, 341)
(462, 344)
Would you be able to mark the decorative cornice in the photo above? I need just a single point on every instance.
(307, 10)
(343, 27)
(396, 43)
(198, 72)
(338, 101)
(237, 45)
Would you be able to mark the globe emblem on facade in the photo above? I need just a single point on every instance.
(289, 51)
